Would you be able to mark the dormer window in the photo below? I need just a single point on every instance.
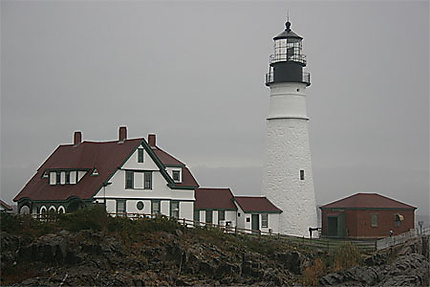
(176, 175)
(66, 177)
(95, 172)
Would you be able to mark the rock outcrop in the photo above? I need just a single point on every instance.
(89, 258)
(191, 257)
(407, 265)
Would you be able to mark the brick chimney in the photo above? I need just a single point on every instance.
(77, 138)
(152, 140)
(122, 134)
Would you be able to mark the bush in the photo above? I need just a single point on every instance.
(92, 217)
(313, 273)
(346, 256)
(24, 225)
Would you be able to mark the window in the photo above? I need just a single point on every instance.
(374, 220)
(155, 207)
(43, 210)
(174, 209)
(221, 216)
(139, 205)
(147, 181)
(24, 210)
(302, 174)
(209, 216)
(197, 215)
(248, 219)
(73, 177)
(120, 207)
(176, 174)
(129, 179)
(68, 177)
(264, 220)
(398, 218)
(52, 178)
(140, 155)
(58, 177)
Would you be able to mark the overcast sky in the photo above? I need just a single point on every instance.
(193, 73)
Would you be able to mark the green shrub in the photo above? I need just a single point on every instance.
(92, 217)
(9, 223)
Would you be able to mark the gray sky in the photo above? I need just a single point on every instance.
(193, 73)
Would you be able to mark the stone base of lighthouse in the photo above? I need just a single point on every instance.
(287, 178)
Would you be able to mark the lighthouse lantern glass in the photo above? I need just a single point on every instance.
(288, 49)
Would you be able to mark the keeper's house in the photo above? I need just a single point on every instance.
(136, 176)
(366, 215)
(128, 175)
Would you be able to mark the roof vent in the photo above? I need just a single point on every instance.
(122, 137)
(152, 140)
(77, 138)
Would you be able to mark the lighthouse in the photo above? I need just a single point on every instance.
(287, 176)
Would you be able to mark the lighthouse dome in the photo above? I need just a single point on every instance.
(288, 34)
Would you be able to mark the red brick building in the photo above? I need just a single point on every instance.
(366, 215)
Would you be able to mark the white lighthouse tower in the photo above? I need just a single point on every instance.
(287, 177)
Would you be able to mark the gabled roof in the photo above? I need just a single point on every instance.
(214, 198)
(106, 157)
(367, 200)
(5, 205)
(167, 160)
(256, 204)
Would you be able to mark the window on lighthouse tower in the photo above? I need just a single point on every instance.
(302, 174)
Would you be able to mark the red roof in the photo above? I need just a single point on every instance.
(106, 157)
(169, 161)
(214, 198)
(367, 200)
(5, 205)
(166, 158)
(256, 204)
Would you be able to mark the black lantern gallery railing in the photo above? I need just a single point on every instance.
(287, 57)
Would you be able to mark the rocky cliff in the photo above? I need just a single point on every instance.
(403, 265)
(147, 253)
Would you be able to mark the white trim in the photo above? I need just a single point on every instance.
(61, 208)
(42, 208)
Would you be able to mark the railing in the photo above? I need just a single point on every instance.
(286, 57)
(318, 243)
(401, 238)
(306, 78)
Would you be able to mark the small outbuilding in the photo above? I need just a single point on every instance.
(366, 215)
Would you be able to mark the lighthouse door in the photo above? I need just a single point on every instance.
(255, 222)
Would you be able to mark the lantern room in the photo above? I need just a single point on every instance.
(288, 47)
(287, 62)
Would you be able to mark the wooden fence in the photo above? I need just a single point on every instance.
(365, 246)
(401, 238)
